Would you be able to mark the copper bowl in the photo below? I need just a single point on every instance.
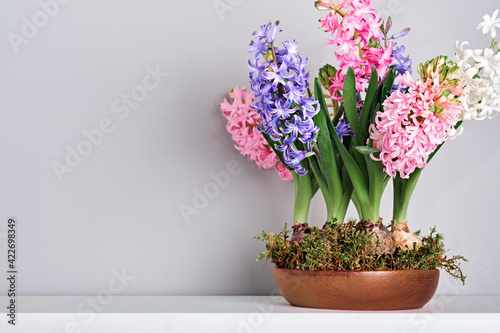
(357, 290)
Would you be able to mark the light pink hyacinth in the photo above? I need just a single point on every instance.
(353, 24)
(414, 124)
(242, 122)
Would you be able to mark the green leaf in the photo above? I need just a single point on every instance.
(349, 97)
(322, 120)
(326, 158)
(366, 150)
(351, 113)
(319, 178)
(338, 114)
(387, 84)
(358, 180)
(369, 98)
(372, 121)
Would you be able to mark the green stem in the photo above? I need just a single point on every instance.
(405, 191)
(403, 188)
(357, 204)
(493, 43)
(376, 176)
(318, 173)
(346, 198)
(397, 185)
(305, 187)
(303, 196)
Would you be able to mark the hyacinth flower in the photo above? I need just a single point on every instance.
(242, 123)
(356, 30)
(292, 124)
(402, 66)
(415, 124)
(480, 69)
(280, 85)
(466, 89)
(279, 81)
(401, 63)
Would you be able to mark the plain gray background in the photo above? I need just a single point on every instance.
(120, 207)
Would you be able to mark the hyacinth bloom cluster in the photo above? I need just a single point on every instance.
(242, 124)
(402, 64)
(480, 68)
(355, 28)
(415, 123)
(280, 82)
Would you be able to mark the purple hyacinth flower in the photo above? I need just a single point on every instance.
(298, 127)
(280, 83)
(271, 32)
(400, 34)
(294, 158)
(283, 108)
(278, 75)
(343, 129)
(258, 48)
(402, 65)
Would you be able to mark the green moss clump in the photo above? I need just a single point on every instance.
(430, 255)
(344, 247)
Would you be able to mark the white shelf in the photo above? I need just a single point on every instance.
(240, 314)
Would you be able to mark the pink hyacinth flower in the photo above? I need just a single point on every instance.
(413, 125)
(242, 123)
(353, 24)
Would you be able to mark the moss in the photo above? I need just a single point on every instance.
(344, 247)
(430, 255)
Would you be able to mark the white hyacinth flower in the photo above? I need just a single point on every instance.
(480, 71)
(462, 54)
(490, 24)
(455, 133)
(487, 60)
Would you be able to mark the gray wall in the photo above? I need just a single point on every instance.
(117, 209)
